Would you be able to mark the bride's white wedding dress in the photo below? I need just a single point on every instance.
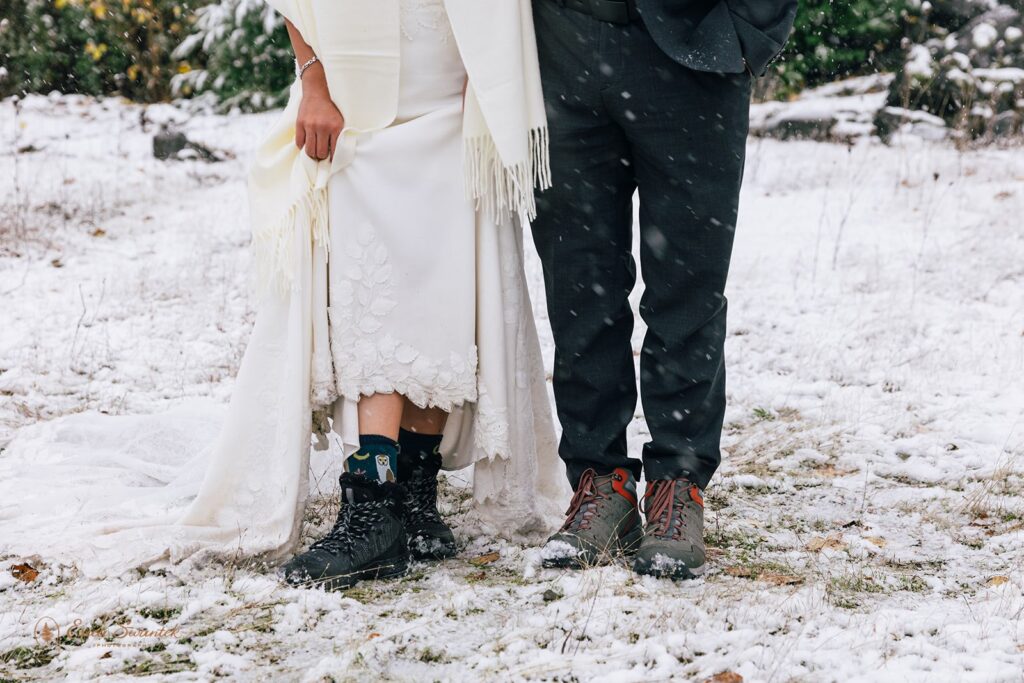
(421, 294)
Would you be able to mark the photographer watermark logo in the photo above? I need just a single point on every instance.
(46, 631)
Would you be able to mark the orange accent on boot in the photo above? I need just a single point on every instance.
(695, 495)
(619, 479)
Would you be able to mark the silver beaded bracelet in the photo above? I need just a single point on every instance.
(300, 70)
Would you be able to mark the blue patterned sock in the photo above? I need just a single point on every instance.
(376, 459)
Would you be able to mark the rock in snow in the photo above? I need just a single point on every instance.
(970, 77)
(838, 112)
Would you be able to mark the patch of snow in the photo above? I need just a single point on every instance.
(427, 545)
(858, 85)
(963, 61)
(958, 75)
(1003, 75)
(558, 550)
(919, 62)
(984, 35)
(663, 563)
(920, 125)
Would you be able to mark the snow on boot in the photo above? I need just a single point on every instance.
(368, 540)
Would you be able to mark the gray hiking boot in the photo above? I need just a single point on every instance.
(602, 522)
(673, 545)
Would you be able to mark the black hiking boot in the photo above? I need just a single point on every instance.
(368, 540)
(429, 537)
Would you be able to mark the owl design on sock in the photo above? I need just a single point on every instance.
(384, 472)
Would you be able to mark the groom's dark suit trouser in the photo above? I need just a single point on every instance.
(625, 117)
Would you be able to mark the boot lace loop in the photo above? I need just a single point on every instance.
(354, 523)
(584, 503)
(665, 510)
(421, 506)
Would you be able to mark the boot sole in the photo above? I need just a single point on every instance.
(680, 573)
(445, 554)
(597, 559)
(384, 569)
(435, 551)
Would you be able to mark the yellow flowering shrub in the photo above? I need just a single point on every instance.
(94, 46)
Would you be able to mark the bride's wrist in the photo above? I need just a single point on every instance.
(314, 81)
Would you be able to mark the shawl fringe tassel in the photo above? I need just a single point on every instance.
(501, 190)
(276, 263)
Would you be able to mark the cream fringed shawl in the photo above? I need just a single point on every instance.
(358, 42)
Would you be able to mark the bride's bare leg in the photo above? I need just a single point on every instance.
(381, 414)
(423, 420)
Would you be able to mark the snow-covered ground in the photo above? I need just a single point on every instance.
(867, 523)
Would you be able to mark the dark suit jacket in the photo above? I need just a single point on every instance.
(729, 36)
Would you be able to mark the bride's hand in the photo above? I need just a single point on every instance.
(319, 124)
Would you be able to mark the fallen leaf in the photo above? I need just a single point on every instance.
(725, 677)
(833, 542)
(24, 572)
(486, 558)
(373, 635)
(773, 578)
(832, 471)
(98, 232)
(780, 579)
(742, 572)
(877, 540)
(997, 581)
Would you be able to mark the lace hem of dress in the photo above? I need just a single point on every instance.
(492, 427)
(322, 392)
(367, 359)
(385, 365)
